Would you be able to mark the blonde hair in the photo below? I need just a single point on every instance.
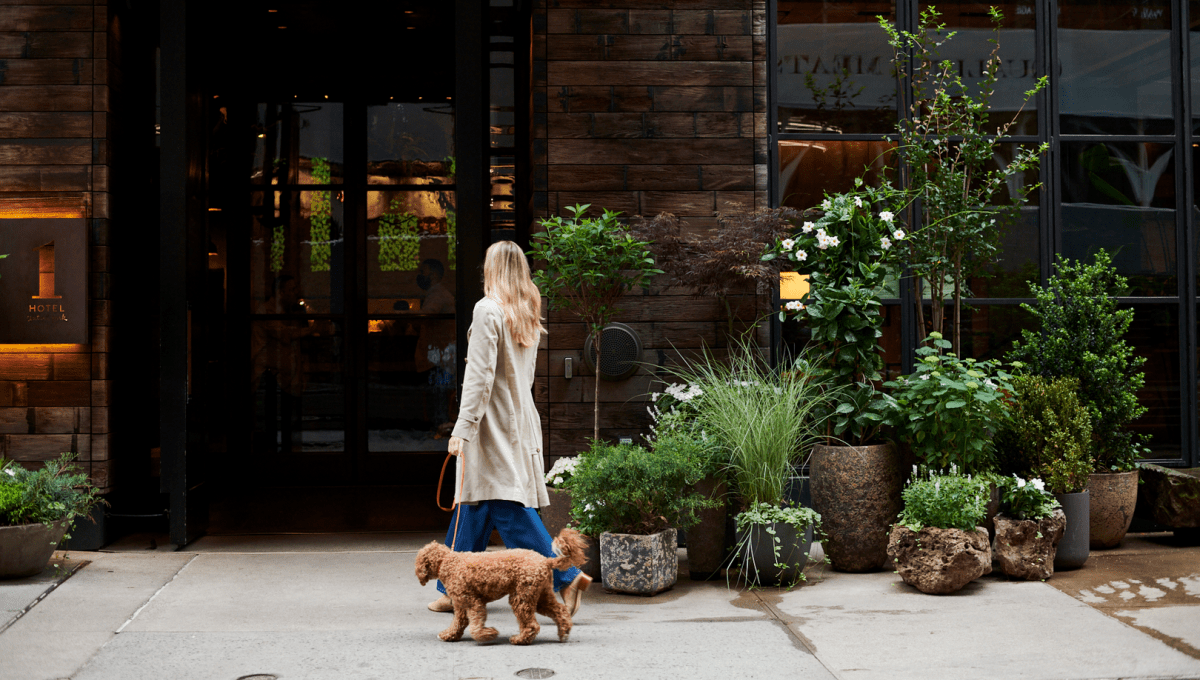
(506, 280)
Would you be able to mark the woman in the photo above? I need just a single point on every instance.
(498, 437)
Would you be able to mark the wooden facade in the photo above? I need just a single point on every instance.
(645, 106)
(60, 71)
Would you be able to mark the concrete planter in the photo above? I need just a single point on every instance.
(639, 565)
(1025, 548)
(857, 492)
(706, 540)
(1073, 549)
(1113, 500)
(759, 557)
(25, 549)
(939, 561)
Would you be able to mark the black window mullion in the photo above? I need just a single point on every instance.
(1190, 433)
(354, 255)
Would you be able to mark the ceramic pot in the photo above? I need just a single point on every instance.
(25, 549)
(637, 564)
(1073, 549)
(856, 489)
(759, 557)
(1113, 500)
(706, 540)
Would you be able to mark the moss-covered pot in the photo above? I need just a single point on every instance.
(1113, 500)
(706, 540)
(637, 564)
(25, 549)
(856, 490)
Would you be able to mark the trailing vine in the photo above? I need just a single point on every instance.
(278, 236)
(399, 239)
(322, 213)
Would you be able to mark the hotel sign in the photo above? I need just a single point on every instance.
(43, 281)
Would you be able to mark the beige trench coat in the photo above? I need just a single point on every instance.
(497, 416)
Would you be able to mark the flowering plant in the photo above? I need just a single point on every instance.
(945, 501)
(675, 408)
(949, 409)
(849, 254)
(1026, 500)
(560, 473)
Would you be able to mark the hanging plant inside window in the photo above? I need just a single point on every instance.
(399, 239)
(321, 218)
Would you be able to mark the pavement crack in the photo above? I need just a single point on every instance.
(162, 588)
(799, 640)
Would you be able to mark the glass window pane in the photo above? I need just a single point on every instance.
(298, 381)
(411, 380)
(809, 169)
(1194, 42)
(1154, 335)
(833, 67)
(1114, 57)
(410, 143)
(988, 331)
(296, 239)
(1120, 196)
(970, 50)
(298, 143)
(410, 250)
(1020, 241)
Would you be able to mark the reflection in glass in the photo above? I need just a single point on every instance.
(834, 67)
(989, 331)
(298, 235)
(809, 169)
(1120, 196)
(1194, 42)
(298, 143)
(1114, 58)
(411, 378)
(403, 229)
(1154, 334)
(298, 381)
(969, 49)
(410, 143)
(1020, 241)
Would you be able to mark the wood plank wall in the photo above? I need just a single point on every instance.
(59, 72)
(644, 106)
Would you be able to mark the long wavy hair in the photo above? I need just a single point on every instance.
(506, 280)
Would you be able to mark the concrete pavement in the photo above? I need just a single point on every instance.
(349, 607)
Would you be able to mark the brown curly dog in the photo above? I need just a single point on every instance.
(472, 579)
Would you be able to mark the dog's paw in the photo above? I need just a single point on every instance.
(450, 635)
(485, 634)
(562, 637)
(522, 639)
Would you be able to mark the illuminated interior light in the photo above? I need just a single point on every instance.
(272, 10)
(214, 210)
(792, 286)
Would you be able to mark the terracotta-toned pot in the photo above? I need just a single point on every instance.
(25, 549)
(706, 540)
(1113, 500)
(856, 489)
(557, 515)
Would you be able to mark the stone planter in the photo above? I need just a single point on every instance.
(25, 549)
(857, 492)
(592, 566)
(639, 565)
(1113, 500)
(758, 558)
(1025, 548)
(1073, 549)
(557, 515)
(706, 540)
(939, 561)
(1171, 497)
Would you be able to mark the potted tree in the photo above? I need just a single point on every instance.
(850, 254)
(633, 498)
(1029, 529)
(1048, 435)
(763, 419)
(937, 545)
(1080, 335)
(590, 263)
(36, 507)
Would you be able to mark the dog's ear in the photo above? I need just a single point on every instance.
(428, 561)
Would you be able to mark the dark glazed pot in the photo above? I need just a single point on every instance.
(856, 489)
(25, 549)
(706, 540)
(759, 558)
(1073, 549)
(1114, 498)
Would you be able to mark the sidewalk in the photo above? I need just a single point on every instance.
(346, 606)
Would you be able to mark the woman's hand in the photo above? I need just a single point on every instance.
(455, 446)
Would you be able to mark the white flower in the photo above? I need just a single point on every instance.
(1020, 483)
(11, 472)
(885, 242)
(654, 396)
(886, 216)
(808, 226)
(924, 376)
(787, 244)
(989, 383)
(794, 306)
(820, 233)
(1038, 484)
(857, 202)
(558, 480)
(898, 234)
(826, 205)
(801, 256)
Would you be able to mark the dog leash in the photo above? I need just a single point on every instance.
(455, 504)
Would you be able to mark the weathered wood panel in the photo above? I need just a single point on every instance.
(71, 366)
(43, 447)
(44, 152)
(650, 21)
(44, 177)
(25, 366)
(48, 18)
(61, 420)
(670, 308)
(45, 204)
(581, 389)
(14, 421)
(652, 4)
(649, 151)
(45, 125)
(728, 177)
(649, 48)
(653, 363)
(678, 202)
(682, 335)
(101, 445)
(13, 393)
(588, 178)
(45, 72)
(622, 201)
(101, 393)
(705, 73)
(664, 177)
(578, 415)
(99, 421)
(60, 393)
(730, 202)
(571, 442)
(46, 98)
(45, 45)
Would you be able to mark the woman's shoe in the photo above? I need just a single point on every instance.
(572, 595)
(442, 605)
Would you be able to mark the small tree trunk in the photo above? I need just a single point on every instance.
(918, 298)
(957, 304)
(596, 337)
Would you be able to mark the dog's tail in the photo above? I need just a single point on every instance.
(571, 547)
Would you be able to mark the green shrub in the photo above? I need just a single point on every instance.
(949, 501)
(57, 491)
(1082, 336)
(631, 490)
(1026, 500)
(1047, 434)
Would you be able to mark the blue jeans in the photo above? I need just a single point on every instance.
(519, 527)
